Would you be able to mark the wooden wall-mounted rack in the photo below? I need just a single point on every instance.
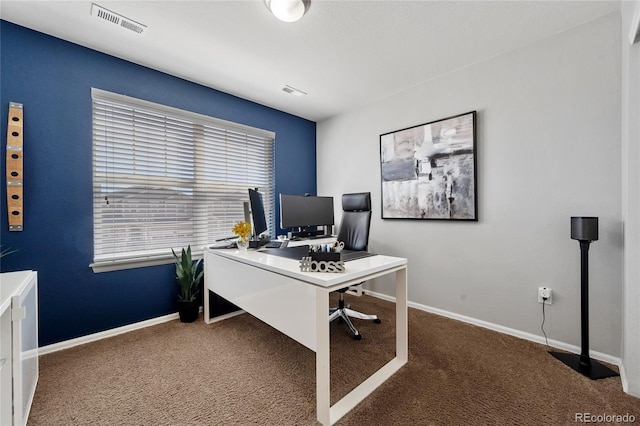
(15, 166)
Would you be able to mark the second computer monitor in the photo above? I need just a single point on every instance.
(257, 212)
(299, 211)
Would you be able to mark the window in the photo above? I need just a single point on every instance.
(165, 178)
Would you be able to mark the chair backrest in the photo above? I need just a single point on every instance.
(356, 220)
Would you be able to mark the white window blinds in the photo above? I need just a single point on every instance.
(165, 178)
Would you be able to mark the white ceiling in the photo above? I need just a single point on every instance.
(344, 54)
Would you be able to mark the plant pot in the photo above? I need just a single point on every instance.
(188, 310)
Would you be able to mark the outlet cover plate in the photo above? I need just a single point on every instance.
(545, 291)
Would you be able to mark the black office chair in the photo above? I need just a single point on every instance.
(354, 232)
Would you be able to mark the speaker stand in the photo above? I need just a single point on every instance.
(582, 363)
(591, 368)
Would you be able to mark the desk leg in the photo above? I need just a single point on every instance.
(205, 306)
(402, 321)
(323, 393)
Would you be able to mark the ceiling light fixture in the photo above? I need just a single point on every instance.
(288, 10)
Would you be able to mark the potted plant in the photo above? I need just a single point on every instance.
(6, 252)
(188, 279)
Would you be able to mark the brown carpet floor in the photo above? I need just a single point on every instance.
(242, 372)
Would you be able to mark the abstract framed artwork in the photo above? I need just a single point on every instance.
(429, 171)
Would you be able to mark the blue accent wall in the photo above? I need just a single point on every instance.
(53, 78)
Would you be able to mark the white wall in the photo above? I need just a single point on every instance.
(549, 147)
(631, 203)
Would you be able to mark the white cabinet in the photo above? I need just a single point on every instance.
(18, 345)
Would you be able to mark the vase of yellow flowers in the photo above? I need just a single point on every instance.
(242, 230)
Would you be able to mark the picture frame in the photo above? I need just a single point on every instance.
(429, 171)
(634, 31)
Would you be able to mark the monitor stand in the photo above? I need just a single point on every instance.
(305, 234)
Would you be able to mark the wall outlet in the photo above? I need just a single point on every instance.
(544, 295)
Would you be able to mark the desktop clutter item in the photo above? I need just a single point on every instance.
(331, 251)
(243, 231)
(224, 243)
(324, 258)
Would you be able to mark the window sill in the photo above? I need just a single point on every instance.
(138, 262)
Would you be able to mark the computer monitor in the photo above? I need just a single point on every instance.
(299, 211)
(257, 212)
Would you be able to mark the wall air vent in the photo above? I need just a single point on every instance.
(122, 21)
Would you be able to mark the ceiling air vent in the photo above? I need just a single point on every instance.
(122, 21)
(293, 91)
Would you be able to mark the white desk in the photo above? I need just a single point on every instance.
(273, 289)
(18, 345)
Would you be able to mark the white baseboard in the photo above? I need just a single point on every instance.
(120, 330)
(623, 378)
(495, 327)
(104, 334)
(505, 330)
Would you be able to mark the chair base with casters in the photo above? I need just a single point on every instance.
(343, 312)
